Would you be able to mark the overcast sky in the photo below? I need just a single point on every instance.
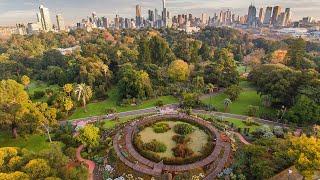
(23, 11)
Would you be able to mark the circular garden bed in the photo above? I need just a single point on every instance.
(173, 141)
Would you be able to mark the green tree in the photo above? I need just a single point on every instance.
(205, 51)
(223, 70)
(179, 70)
(296, 53)
(198, 83)
(304, 111)
(83, 92)
(233, 92)
(227, 103)
(14, 103)
(89, 136)
(195, 52)
(144, 52)
(37, 168)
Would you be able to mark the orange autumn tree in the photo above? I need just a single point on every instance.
(278, 56)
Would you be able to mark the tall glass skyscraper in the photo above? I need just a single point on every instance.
(45, 18)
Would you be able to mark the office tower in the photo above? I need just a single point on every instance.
(261, 16)
(204, 18)
(60, 23)
(21, 29)
(281, 19)
(164, 4)
(116, 22)
(94, 17)
(105, 22)
(45, 18)
(138, 16)
(252, 17)
(268, 15)
(164, 13)
(151, 16)
(288, 16)
(275, 14)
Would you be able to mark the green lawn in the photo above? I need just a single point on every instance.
(237, 122)
(99, 108)
(247, 84)
(111, 124)
(240, 106)
(242, 69)
(240, 124)
(34, 143)
(42, 86)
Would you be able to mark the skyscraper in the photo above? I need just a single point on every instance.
(45, 18)
(138, 16)
(252, 17)
(105, 21)
(288, 16)
(268, 15)
(164, 4)
(60, 23)
(275, 14)
(261, 16)
(204, 18)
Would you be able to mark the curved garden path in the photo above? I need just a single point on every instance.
(155, 169)
(91, 165)
(242, 139)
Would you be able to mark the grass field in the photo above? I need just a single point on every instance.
(99, 108)
(41, 86)
(247, 84)
(238, 123)
(111, 124)
(240, 106)
(242, 69)
(34, 143)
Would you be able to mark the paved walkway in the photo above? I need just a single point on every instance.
(155, 169)
(242, 139)
(90, 164)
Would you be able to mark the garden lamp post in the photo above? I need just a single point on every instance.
(289, 173)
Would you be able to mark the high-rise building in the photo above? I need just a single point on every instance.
(268, 15)
(281, 19)
(204, 18)
(21, 29)
(45, 18)
(116, 22)
(275, 14)
(60, 23)
(288, 16)
(261, 16)
(252, 17)
(105, 21)
(138, 16)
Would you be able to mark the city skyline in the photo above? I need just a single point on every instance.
(17, 11)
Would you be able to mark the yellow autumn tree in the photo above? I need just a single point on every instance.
(307, 154)
(179, 70)
(278, 56)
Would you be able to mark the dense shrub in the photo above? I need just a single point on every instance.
(161, 127)
(250, 122)
(182, 150)
(181, 139)
(183, 129)
(253, 110)
(160, 103)
(38, 94)
(155, 146)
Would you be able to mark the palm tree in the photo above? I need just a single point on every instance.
(83, 92)
(210, 89)
(227, 102)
